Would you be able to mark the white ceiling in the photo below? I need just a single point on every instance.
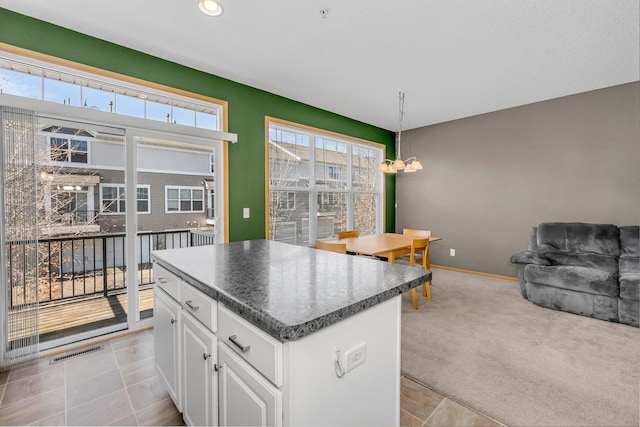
(452, 58)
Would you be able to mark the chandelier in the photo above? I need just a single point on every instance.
(412, 164)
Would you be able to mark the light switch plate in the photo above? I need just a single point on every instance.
(245, 213)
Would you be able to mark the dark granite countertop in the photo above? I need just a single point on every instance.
(286, 290)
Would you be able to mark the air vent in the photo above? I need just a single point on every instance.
(76, 354)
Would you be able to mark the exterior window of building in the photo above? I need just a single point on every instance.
(112, 199)
(142, 199)
(68, 150)
(288, 200)
(184, 199)
(320, 184)
(335, 172)
(69, 205)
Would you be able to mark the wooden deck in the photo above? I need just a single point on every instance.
(65, 318)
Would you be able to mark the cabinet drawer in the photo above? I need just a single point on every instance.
(169, 282)
(200, 305)
(261, 350)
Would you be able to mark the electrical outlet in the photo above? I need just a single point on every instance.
(452, 252)
(355, 356)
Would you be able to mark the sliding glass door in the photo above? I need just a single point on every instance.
(171, 199)
(119, 170)
(81, 230)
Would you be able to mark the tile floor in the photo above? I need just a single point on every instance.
(115, 386)
(119, 386)
(422, 406)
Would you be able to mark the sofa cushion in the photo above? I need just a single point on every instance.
(629, 312)
(533, 239)
(577, 237)
(630, 286)
(629, 265)
(629, 262)
(599, 306)
(630, 241)
(578, 278)
(599, 262)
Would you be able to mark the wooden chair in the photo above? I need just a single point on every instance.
(333, 247)
(345, 234)
(420, 253)
(413, 233)
(417, 233)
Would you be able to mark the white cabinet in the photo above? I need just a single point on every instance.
(167, 338)
(169, 282)
(259, 349)
(246, 398)
(220, 369)
(199, 379)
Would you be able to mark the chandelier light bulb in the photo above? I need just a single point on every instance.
(398, 165)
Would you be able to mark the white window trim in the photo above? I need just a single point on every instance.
(110, 185)
(148, 187)
(183, 187)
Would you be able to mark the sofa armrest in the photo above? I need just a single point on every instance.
(527, 256)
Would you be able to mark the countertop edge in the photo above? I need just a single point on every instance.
(277, 329)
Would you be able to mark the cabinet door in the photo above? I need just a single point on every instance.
(246, 398)
(166, 314)
(199, 379)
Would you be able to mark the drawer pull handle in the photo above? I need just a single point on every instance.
(173, 321)
(162, 280)
(191, 306)
(234, 340)
(205, 356)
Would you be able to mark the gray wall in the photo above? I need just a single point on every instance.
(487, 179)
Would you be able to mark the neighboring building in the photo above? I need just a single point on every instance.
(82, 184)
(343, 180)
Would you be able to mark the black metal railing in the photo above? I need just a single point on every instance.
(91, 265)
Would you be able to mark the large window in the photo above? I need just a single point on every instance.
(79, 89)
(90, 139)
(320, 184)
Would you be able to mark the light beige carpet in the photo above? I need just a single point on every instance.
(482, 344)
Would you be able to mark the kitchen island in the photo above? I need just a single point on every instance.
(267, 333)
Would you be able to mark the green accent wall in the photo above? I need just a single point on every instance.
(248, 107)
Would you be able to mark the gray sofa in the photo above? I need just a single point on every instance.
(587, 269)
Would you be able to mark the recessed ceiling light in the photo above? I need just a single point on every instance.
(210, 7)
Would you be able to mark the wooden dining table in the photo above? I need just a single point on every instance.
(387, 245)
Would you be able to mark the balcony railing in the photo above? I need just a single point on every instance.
(81, 266)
